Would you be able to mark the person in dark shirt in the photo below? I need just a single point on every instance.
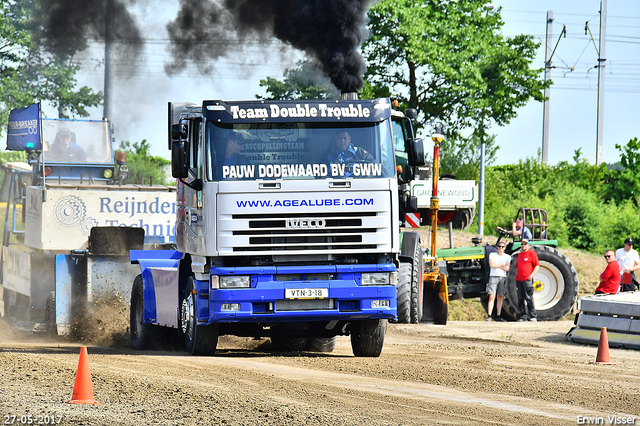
(344, 151)
(64, 148)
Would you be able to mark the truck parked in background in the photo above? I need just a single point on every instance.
(279, 234)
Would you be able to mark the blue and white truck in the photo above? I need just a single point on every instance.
(279, 234)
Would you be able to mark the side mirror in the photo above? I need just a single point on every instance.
(416, 154)
(179, 131)
(411, 113)
(180, 159)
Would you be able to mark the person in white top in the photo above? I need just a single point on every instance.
(497, 285)
(629, 262)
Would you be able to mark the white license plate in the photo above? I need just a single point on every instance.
(306, 293)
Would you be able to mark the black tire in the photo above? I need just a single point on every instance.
(367, 337)
(199, 339)
(559, 289)
(463, 218)
(411, 247)
(403, 293)
(288, 343)
(143, 336)
(321, 344)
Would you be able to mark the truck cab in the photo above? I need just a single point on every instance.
(287, 224)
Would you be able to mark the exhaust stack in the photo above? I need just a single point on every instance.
(349, 96)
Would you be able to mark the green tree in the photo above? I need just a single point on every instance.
(143, 167)
(304, 82)
(450, 61)
(460, 155)
(624, 183)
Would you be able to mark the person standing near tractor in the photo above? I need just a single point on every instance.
(497, 285)
(527, 266)
(629, 262)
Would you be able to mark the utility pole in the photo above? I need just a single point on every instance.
(108, 23)
(547, 90)
(481, 183)
(601, 64)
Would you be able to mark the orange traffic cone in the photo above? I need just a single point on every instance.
(603, 349)
(83, 389)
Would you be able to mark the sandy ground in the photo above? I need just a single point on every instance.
(462, 373)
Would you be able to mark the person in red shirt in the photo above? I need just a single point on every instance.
(526, 268)
(610, 278)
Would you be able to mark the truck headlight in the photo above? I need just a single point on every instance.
(379, 278)
(235, 281)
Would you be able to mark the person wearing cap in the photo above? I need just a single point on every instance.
(527, 266)
(610, 278)
(497, 285)
(518, 230)
(629, 262)
(65, 148)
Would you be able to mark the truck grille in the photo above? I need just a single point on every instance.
(328, 223)
(285, 233)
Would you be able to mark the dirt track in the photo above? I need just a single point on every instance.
(462, 373)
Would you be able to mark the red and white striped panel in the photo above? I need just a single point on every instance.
(412, 220)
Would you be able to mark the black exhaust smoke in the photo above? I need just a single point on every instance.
(65, 25)
(329, 31)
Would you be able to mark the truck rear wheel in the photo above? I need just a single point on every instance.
(367, 337)
(411, 248)
(143, 336)
(321, 344)
(555, 288)
(403, 293)
(199, 339)
(288, 343)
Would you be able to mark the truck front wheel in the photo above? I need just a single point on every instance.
(199, 339)
(367, 337)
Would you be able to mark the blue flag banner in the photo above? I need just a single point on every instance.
(24, 129)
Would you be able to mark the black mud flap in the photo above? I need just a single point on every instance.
(115, 240)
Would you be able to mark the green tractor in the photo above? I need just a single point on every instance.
(555, 285)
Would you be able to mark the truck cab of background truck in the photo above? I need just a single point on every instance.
(278, 233)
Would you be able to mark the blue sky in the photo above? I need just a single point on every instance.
(573, 98)
(140, 101)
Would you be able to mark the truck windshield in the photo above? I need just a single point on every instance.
(76, 141)
(299, 151)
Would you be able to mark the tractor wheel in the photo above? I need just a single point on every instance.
(143, 335)
(199, 339)
(403, 293)
(367, 337)
(555, 286)
(411, 247)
